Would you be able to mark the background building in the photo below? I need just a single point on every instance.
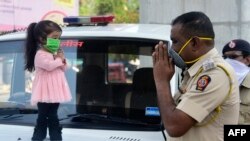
(231, 18)
(18, 14)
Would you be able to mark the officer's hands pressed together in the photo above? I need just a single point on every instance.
(163, 65)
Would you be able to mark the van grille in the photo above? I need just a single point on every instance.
(116, 138)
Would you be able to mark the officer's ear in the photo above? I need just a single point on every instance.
(247, 60)
(196, 44)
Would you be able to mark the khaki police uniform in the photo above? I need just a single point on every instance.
(245, 101)
(202, 92)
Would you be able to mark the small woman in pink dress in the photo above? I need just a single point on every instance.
(50, 86)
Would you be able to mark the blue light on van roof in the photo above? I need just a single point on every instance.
(71, 20)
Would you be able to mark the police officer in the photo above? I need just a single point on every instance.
(237, 53)
(208, 97)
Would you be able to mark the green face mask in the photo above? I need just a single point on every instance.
(52, 45)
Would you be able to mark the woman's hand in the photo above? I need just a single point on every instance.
(60, 54)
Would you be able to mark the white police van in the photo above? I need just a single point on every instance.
(110, 77)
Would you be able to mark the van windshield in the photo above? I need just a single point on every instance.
(107, 77)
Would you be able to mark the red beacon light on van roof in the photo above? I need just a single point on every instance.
(88, 20)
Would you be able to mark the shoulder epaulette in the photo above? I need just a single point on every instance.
(208, 64)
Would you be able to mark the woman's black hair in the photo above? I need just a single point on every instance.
(37, 35)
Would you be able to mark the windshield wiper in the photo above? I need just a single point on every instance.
(15, 111)
(100, 117)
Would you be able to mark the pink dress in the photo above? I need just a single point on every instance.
(50, 84)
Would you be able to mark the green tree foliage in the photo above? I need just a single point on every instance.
(125, 11)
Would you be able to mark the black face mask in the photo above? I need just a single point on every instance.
(178, 61)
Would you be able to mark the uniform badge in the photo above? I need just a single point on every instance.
(202, 82)
(232, 44)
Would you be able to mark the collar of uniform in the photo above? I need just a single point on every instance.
(196, 66)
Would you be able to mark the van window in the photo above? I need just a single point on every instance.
(112, 77)
(106, 83)
(6, 68)
(14, 83)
